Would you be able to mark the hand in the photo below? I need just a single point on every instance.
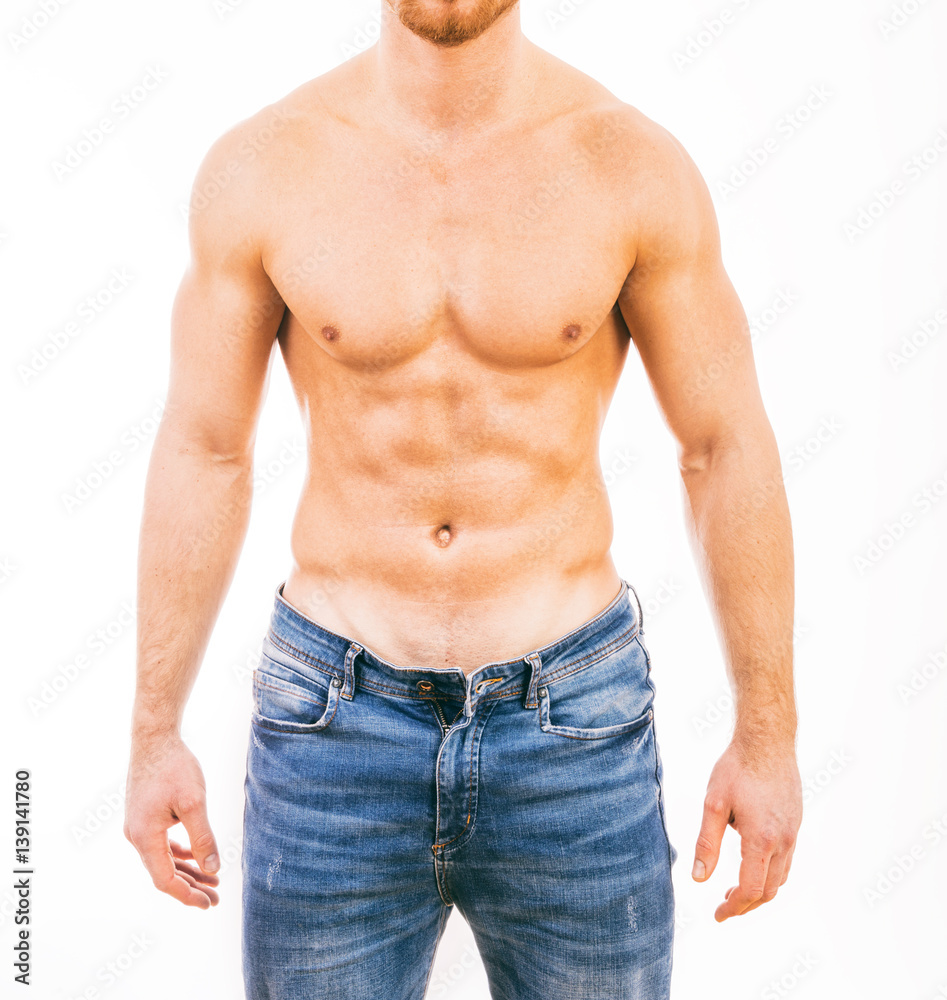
(760, 796)
(165, 786)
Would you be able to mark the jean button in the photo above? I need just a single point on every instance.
(425, 686)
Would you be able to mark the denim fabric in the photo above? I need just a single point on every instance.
(528, 794)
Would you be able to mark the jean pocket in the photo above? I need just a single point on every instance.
(610, 697)
(290, 696)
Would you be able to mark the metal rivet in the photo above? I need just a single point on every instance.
(542, 691)
(336, 682)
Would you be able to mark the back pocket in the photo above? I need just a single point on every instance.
(291, 696)
(610, 697)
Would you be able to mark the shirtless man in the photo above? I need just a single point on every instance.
(453, 237)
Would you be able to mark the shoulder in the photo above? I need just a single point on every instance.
(653, 186)
(241, 180)
(658, 189)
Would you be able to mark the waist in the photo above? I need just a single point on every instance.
(488, 618)
(300, 636)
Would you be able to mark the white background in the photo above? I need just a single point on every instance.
(849, 377)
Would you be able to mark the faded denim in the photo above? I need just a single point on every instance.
(528, 794)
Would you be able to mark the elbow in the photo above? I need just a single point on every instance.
(701, 455)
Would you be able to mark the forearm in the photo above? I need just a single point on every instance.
(739, 524)
(196, 512)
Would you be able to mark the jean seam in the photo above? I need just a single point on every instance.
(298, 654)
(280, 642)
(632, 725)
(657, 778)
(300, 728)
(610, 647)
(301, 697)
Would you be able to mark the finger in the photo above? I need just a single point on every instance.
(180, 851)
(714, 822)
(193, 814)
(156, 855)
(774, 879)
(205, 877)
(788, 864)
(197, 886)
(753, 871)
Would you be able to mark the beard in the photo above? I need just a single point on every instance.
(452, 27)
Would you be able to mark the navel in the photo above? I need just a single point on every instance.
(572, 332)
(443, 536)
(330, 333)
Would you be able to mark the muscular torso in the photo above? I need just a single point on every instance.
(453, 339)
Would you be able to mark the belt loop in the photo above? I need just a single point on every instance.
(348, 688)
(536, 663)
(640, 612)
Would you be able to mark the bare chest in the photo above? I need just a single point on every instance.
(514, 256)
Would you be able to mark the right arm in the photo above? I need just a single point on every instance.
(196, 511)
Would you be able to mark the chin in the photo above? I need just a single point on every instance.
(449, 23)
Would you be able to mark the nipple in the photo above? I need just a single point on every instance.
(572, 332)
(443, 536)
(330, 333)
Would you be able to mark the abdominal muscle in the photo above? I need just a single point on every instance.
(459, 591)
(452, 529)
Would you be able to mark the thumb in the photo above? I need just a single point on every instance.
(716, 817)
(203, 844)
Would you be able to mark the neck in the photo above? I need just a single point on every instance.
(453, 89)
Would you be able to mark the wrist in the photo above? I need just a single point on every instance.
(757, 743)
(151, 726)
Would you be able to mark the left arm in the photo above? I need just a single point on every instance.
(694, 341)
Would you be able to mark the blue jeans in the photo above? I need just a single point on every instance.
(528, 794)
